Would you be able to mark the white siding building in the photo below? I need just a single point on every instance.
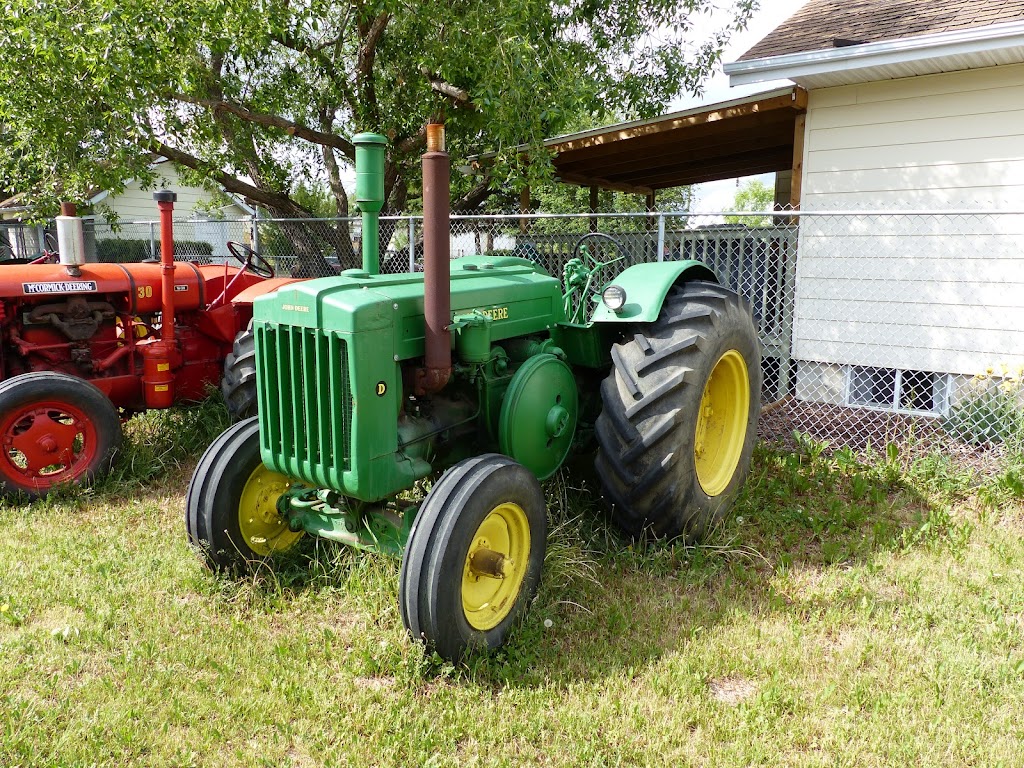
(922, 123)
(135, 204)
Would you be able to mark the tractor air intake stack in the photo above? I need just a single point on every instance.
(70, 239)
(159, 357)
(436, 267)
(370, 194)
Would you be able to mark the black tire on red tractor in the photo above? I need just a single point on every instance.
(55, 429)
(474, 556)
(239, 382)
(679, 417)
(231, 506)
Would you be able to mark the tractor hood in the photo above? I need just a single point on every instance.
(519, 296)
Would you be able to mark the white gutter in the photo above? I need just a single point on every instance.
(959, 42)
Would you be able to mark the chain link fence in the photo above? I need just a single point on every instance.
(876, 327)
(21, 242)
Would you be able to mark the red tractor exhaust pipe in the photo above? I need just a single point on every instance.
(437, 300)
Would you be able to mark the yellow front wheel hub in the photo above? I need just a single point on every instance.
(262, 527)
(495, 566)
(722, 423)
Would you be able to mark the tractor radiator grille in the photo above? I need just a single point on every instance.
(305, 401)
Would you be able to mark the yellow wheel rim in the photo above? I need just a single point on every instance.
(495, 566)
(722, 423)
(263, 529)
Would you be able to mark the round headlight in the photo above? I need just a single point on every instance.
(614, 297)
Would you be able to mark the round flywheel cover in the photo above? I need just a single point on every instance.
(539, 414)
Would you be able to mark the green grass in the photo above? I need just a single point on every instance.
(845, 614)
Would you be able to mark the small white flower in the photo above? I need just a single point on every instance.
(548, 623)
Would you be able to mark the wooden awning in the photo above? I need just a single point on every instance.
(743, 137)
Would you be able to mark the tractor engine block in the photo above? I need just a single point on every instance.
(77, 318)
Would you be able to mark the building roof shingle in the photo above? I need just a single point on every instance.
(825, 24)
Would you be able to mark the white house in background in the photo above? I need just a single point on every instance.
(137, 214)
(200, 215)
(914, 105)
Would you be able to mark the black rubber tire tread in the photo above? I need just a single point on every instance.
(211, 504)
(650, 401)
(239, 382)
(429, 593)
(39, 385)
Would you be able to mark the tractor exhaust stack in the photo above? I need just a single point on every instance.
(436, 264)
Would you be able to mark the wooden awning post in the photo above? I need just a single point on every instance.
(798, 162)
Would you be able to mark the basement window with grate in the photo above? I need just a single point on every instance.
(895, 389)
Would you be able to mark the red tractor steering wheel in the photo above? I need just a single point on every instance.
(251, 260)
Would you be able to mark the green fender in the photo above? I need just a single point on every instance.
(646, 286)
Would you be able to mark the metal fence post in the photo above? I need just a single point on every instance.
(255, 223)
(661, 237)
(412, 244)
(152, 240)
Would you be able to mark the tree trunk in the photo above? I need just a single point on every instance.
(311, 246)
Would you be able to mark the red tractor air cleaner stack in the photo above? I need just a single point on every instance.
(160, 357)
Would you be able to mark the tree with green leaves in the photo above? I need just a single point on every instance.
(260, 97)
(754, 196)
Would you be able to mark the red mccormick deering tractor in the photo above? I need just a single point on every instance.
(485, 368)
(82, 345)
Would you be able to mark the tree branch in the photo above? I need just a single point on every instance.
(325, 62)
(333, 172)
(364, 64)
(274, 121)
(368, 48)
(412, 143)
(272, 200)
(472, 199)
(460, 96)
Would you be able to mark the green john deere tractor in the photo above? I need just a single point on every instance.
(485, 369)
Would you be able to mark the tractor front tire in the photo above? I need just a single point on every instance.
(231, 507)
(474, 556)
(54, 429)
(679, 414)
(239, 382)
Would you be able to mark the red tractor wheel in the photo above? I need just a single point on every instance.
(54, 429)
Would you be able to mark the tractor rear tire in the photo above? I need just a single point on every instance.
(231, 507)
(54, 429)
(474, 556)
(239, 382)
(679, 417)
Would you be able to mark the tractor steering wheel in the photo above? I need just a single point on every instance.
(580, 248)
(251, 260)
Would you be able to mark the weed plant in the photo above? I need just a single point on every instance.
(991, 411)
